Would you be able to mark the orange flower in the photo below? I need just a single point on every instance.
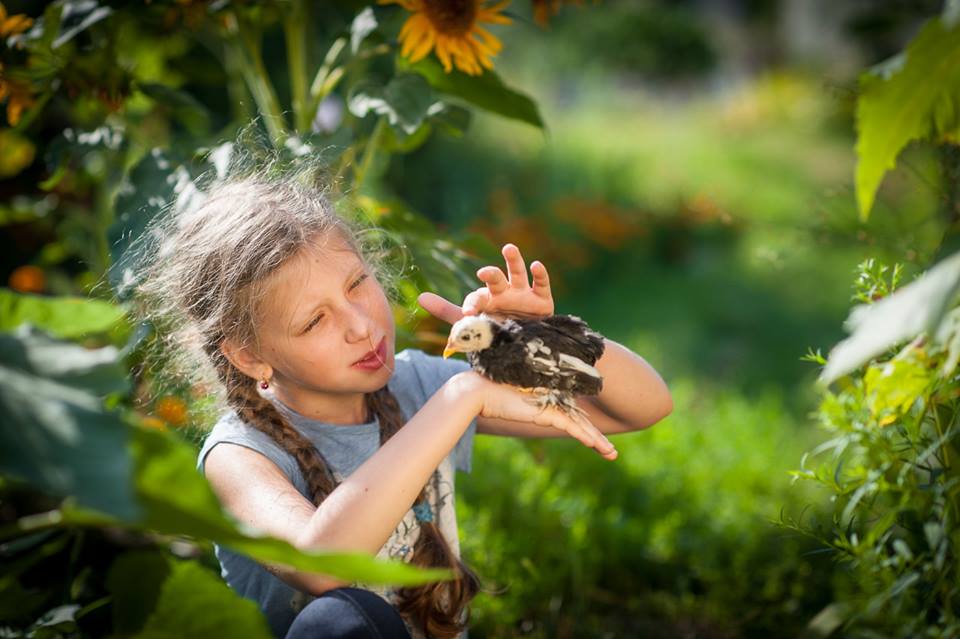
(171, 409)
(153, 422)
(12, 25)
(19, 97)
(28, 279)
(451, 28)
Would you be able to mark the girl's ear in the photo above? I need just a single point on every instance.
(245, 359)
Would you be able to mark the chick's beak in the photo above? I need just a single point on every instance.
(449, 350)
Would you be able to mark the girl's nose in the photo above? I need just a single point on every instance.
(359, 323)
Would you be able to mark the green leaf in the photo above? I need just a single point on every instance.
(405, 101)
(60, 440)
(98, 371)
(69, 317)
(919, 100)
(911, 309)
(893, 387)
(194, 602)
(135, 581)
(486, 91)
(450, 118)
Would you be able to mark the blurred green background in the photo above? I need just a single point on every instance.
(692, 195)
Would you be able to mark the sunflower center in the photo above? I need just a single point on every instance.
(451, 17)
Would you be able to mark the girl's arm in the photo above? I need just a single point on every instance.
(364, 510)
(634, 396)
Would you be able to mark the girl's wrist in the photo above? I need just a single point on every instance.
(468, 386)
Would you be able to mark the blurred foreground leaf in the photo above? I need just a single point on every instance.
(57, 436)
(62, 316)
(196, 603)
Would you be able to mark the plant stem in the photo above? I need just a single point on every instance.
(369, 152)
(246, 47)
(295, 27)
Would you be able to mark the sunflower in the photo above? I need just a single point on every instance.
(453, 28)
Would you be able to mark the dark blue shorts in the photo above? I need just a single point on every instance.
(348, 613)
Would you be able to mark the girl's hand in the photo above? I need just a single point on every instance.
(503, 296)
(501, 401)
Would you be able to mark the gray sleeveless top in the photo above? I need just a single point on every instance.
(416, 377)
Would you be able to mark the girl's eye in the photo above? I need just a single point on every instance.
(313, 323)
(357, 283)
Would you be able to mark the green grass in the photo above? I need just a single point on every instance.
(676, 530)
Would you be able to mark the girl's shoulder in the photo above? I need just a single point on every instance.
(229, 428)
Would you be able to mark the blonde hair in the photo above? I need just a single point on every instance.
(202, 283)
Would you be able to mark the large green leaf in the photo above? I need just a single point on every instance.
(62, 316)
(95, 370)
(918, 100)
(486, 91)
(196, 603)
(60, 440)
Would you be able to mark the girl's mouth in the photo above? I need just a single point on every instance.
(374, 360)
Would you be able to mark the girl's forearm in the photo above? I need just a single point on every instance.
(633, 392)
(363, 511)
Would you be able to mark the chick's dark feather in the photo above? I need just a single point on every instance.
(537, 353)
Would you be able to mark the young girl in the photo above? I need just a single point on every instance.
(338, 443)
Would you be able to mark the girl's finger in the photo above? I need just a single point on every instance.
(603, 445)
(541, 280)
(515, 266)
(494, 278)
(476, 302)
(439, 307)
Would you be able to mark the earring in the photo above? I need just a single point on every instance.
(264, 384)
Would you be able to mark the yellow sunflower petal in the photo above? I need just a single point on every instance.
(418, 30)
(411, 23)
(424, 47)
(3, 13)
(443, 52)
(489, 42)
(411, 41)
(491, 14)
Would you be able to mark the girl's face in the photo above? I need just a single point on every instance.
(324, 311)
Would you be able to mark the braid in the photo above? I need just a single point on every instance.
(436, 607)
